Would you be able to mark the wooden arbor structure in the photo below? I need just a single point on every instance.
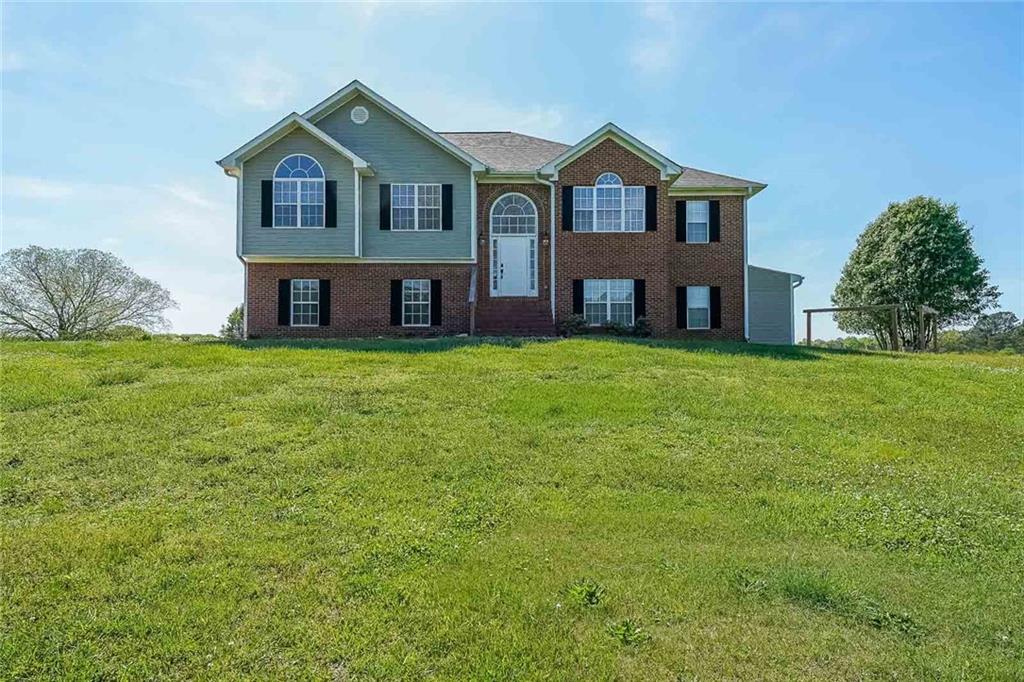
(923, 311)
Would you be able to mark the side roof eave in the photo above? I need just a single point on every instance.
(611, 131)
(274, 133)
(356, 88)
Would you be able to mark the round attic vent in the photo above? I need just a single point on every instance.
(360, 115)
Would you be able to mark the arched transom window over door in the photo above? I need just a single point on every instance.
(298, 192)
(513, 246)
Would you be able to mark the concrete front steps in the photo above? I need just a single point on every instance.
(514, 317)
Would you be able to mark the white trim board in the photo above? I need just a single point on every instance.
(610, 131)
(232, 161)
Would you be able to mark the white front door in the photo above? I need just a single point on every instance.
(513, 266)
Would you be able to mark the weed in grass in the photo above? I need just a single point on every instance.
(585, 592)
(113, 376)
(628, 633)
(749, 582)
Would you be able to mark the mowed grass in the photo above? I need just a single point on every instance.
(581, 509)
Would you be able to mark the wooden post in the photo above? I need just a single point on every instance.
(808, 330)
(920, 328)
(935, 333)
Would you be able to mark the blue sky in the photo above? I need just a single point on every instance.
(114, 114)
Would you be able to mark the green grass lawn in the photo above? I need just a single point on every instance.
(581, 509)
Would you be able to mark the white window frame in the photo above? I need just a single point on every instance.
(410, 303)
(297, 182)
(416, 207)
(606, 283)
(707, 289)
(707, 222)
(622, 225)
(293, 303)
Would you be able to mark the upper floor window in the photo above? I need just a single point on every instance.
(299, 192)
(513, 214)
(415, 207)
(609, 206)
(697, 218)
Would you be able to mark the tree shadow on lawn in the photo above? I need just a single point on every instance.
(448, 343)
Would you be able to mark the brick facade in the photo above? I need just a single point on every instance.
(360, 298)
(360, 303)
(655, 257)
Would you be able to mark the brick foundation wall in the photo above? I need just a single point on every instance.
(655, 256)
(360, 298)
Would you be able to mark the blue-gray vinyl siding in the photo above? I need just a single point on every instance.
(270, 241)
(770, 306)
(399, 154)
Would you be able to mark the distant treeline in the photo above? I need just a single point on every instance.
(1001, 331)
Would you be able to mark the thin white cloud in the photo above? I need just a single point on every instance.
(11, 60)
(22, 187)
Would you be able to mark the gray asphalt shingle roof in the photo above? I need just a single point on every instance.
(510, 152)
(507, 152)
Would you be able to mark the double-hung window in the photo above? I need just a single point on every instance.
(608, 300)
(609, 206)
(416, 303)
(697, 217)
(415, 207)
(298, 192)
(698, 307)
(305, 302)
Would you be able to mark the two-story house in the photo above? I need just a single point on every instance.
(355, 219)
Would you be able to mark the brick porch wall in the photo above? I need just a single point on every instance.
(360, 298)
(655, 256)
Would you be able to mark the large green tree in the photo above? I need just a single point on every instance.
(916, 252)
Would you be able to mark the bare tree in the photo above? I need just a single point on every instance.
(75, 294)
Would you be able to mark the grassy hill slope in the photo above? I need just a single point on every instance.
(582, 509)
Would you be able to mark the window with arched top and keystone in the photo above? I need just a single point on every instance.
(299, 192)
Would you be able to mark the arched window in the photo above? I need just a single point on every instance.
(299, 192)
(513, 214)
(608, 206)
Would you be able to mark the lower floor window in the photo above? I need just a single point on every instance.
(698, 307)
(305, 302)
(416, 303)
(608, 300)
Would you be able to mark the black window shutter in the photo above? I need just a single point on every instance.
(435, 302)
(680, 307)
(325, 303)
(446, 207)
(267, 203)
(716, 307)
(714, 222)
(577, 297)
(651, 208)
(680, 221)
(639, 299)
(567, 208)
(284, 302)
(396, 303)
(385, 206)
(331, 203)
